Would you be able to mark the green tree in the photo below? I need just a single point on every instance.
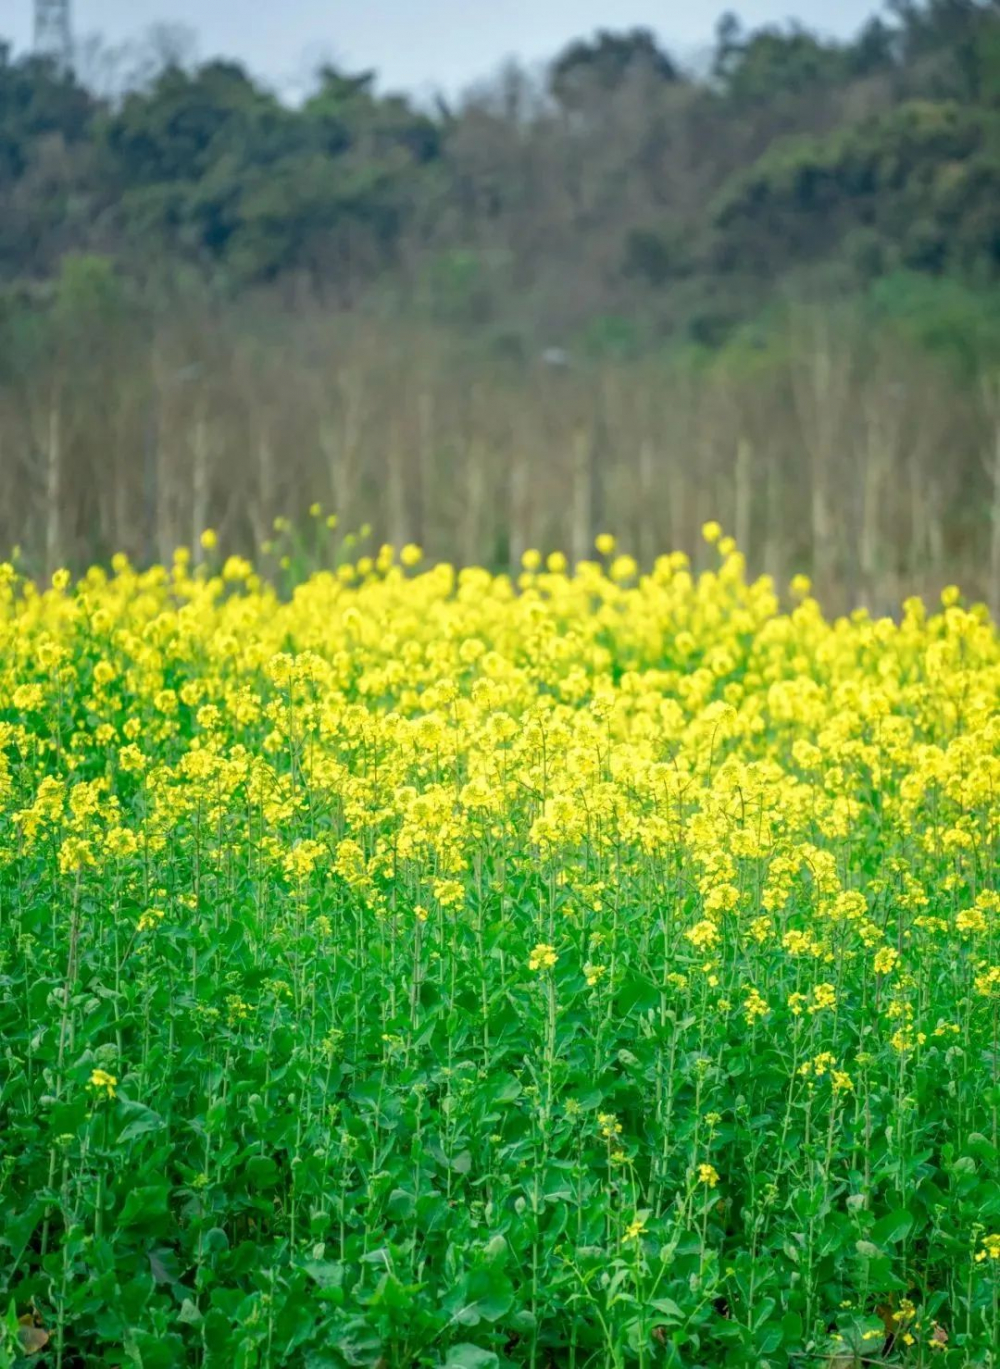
(924, 179)
(38, 100)
(772, 63)
(602, 65)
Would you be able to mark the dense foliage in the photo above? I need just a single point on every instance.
(421, 968)
(687, 197)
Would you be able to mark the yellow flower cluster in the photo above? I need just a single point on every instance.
(101, 1080)
(542, 957)
(741, 804)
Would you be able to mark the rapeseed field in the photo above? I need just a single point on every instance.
(424, 967)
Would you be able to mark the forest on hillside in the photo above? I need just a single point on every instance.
(616, 293)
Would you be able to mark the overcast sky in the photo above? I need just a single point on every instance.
(419, 45)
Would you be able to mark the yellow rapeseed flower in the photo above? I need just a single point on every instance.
(542, 957)
(885, 960)
(100, 1079)
(608, 1125)
(754, 1006)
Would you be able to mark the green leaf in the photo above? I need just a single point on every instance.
(391, 1295)
(791, 1326)
(17, 1231)
(359, 1344)
(262, 1172)
(144, 1206)
(132, 1350)
(495, 1250)
(163, 1266)
(148, 1351)
(466, 1356)
(762, 1312)
(141, 1121)
(325, 1273)
(893, 1227)
(769, 1337)
(667, 1308)
(401, 1205)
(493, 1293)
(215, 1239)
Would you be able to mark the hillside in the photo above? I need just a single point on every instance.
(620, 197)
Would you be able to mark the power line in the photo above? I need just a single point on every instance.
(54, 31)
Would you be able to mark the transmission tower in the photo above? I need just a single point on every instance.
(54, 32)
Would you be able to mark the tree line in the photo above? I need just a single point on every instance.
(617, 292)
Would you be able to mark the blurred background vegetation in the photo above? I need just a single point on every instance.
(618, 293)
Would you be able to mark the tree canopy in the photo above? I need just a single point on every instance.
(618, 184)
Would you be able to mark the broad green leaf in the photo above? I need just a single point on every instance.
(467, 1356)
(892, 1228)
